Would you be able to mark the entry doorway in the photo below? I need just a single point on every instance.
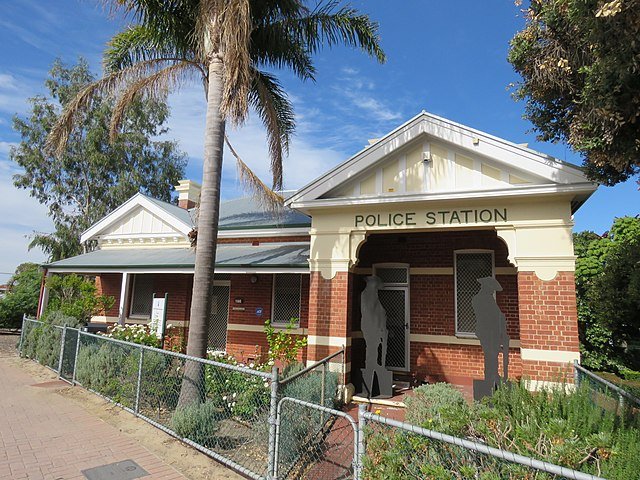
(219, 316)
(394, 297)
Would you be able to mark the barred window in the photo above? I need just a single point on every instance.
(286, 298)
(470, 266)
(142, 296)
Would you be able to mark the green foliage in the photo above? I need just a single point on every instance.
(22, 297)
(109, 369)
(580, 66)
(197, 422)
(41, 342)
(608, 290)
(562, 427)
(235, 393)
(283, 345)
(75, 296)
(56, 317)
(94, 176)
(308, 387)
(134, 333)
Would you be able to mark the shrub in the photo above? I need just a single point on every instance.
(564, 427)
(197, 422)
(57, 317)
(630, 374)
(42, 343)
(109, 369)
(161, 380)
(76, 297)
(283, 345)
(136, 333)
(308, 387)
(235, 393)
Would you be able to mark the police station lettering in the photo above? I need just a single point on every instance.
(439, 217)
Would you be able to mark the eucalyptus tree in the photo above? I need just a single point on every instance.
(228, 45)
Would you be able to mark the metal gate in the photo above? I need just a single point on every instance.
(314, 442)
(219, 316)
(394, 297)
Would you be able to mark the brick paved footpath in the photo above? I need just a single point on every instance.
(46, 436)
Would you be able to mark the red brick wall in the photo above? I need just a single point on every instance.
(329, 311)
(548, 320)
(110, 284)
(430, 249)
(432, 299)
(252, 345)
(441, 362)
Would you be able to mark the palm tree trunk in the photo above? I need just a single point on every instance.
(192, 389)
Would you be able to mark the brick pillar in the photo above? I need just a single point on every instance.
(329, 324)
(548, 327)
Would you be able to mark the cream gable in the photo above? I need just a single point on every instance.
(428, 166)
(430, 158)
(141, 222)
(143, 228)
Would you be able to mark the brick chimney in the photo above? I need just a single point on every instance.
(188, 193)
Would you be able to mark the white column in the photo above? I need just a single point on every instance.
(45, 295)
(124, 288)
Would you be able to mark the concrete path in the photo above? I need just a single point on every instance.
(51, 431)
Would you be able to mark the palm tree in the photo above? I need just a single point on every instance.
(226, 44)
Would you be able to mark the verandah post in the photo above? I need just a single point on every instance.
(273, 413)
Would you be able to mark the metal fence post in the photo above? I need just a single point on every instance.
(576, 374)
(75, 360)
(24, 323)
(273, 414)
(137, 405)
(361, 450)
(62, 340)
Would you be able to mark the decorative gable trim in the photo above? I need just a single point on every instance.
(469, 139)
(138, 200)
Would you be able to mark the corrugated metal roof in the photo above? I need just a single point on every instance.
(246, 212)
(266, 255)
(242, 213)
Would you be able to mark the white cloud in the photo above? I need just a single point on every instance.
(23, 215)
(5, 147)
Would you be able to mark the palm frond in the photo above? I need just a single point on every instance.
(107, 86)
(330, 25)
(225, 26)
(140, 42)
(156, 85)
(273, 45)
(276, 112)
(269, 199)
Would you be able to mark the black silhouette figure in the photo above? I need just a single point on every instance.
(491, 330)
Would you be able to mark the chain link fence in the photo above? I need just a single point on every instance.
(265, 426)
(605, 393)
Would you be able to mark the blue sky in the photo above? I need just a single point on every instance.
(448, 58)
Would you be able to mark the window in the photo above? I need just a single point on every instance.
(469, 267)
(286, 298)
(142, 296)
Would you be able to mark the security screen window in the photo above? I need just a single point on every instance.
(286, 298)
(142, 296)
(470, 266)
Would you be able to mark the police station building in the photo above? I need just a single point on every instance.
(429, 209)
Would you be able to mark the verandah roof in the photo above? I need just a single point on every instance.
(232, 256)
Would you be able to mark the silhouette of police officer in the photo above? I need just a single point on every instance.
(375, 333)
(491, 330)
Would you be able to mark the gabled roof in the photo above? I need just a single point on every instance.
(247, 213)
(556, 176)
(178, 218)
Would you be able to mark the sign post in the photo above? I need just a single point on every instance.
(159, 316)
